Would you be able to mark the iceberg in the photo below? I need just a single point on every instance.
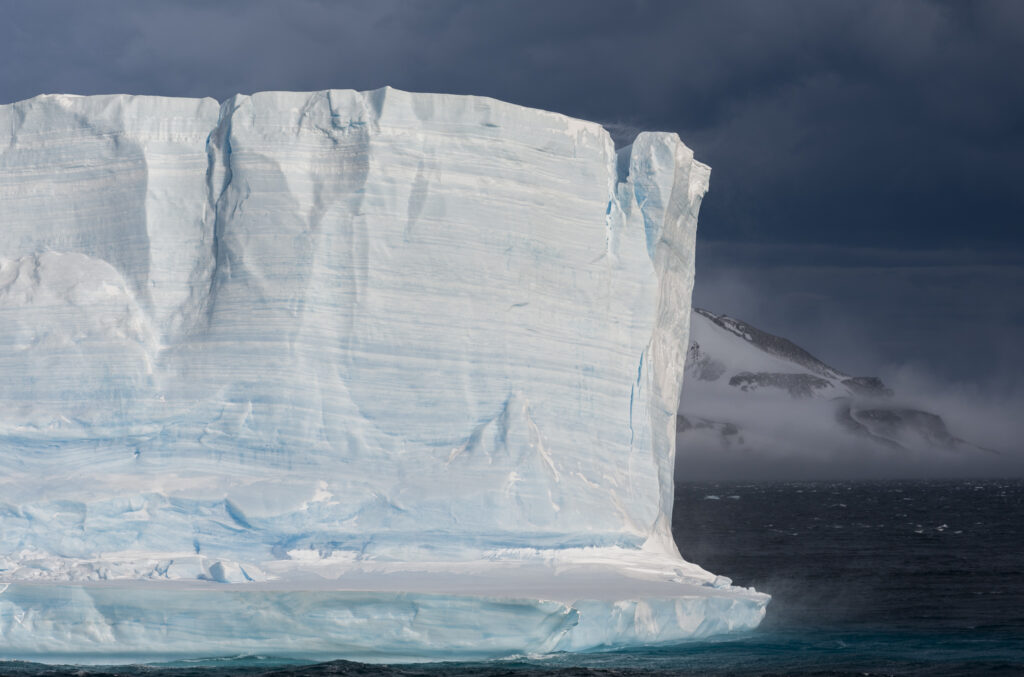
(369, 375)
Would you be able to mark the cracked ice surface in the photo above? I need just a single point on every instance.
(314, 348)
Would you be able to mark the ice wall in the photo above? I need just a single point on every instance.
(448, 311)
(294, 330)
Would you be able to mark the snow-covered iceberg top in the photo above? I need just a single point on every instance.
(316, 334)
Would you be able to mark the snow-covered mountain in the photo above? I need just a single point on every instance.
(749, 392)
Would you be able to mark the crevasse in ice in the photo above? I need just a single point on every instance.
(373, 375)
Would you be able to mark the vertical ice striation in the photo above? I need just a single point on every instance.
(343, 335)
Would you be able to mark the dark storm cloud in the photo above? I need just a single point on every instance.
(857, 122)
(951, 312)
(885, 125)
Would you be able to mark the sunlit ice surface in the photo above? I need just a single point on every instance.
(369, 375)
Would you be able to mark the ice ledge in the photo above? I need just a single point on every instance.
(374, 618)
(312, 607)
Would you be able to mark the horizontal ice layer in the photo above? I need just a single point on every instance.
(111, 623)
(512, 603)
(247, 340)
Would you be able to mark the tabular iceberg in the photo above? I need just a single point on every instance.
(371, 375)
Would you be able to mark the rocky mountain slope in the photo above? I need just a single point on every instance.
(748, 390)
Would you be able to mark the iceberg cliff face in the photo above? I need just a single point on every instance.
(293, 333)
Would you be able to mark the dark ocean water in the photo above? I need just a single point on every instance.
(879, 578)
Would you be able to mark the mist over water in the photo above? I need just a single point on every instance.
(941, 328)
(831, 459)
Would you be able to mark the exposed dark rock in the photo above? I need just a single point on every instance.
(845, 418)
(724, 428)
(770, 343)
(701, 366)
(798, 385)
(867, 386)
(894, 423)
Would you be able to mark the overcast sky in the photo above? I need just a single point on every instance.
(867, 157)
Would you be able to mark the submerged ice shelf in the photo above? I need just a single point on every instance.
(476, 613)
(396, 362)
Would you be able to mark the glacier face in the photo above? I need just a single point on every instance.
(304, 337)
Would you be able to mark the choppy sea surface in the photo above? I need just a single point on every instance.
(867, 578)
